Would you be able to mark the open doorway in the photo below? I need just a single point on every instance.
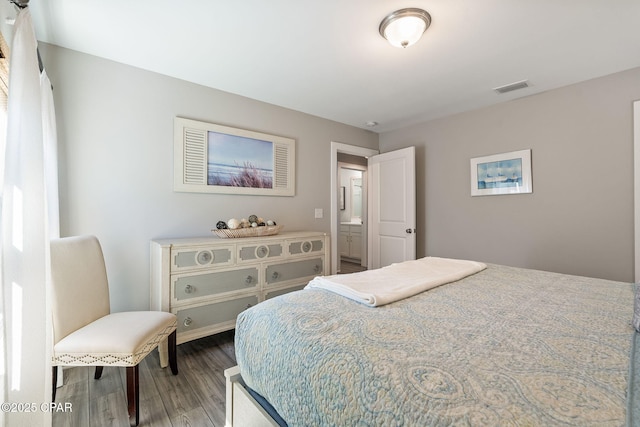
(352, 208)
(355, 158)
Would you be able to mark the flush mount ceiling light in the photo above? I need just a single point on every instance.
(404, 27)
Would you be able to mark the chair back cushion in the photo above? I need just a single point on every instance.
(80, 288)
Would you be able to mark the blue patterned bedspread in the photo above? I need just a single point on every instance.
(506, 346)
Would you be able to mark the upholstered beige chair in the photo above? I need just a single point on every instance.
(86, 333)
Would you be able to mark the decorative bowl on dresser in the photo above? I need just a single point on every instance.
(208, 281)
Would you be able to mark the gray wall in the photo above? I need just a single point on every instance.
(579, 219)
(115, 135)
(115, 130)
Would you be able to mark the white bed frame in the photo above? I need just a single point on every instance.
(241, 408)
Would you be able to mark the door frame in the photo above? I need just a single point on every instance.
(339, 147)
(636, 190)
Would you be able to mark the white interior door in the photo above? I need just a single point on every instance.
(392, 207)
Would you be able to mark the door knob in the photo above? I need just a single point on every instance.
(408, 230)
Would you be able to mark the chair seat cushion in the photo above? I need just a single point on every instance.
(117, 339)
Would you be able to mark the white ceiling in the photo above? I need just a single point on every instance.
(326, 57)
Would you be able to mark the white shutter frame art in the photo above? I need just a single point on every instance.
(191, 160)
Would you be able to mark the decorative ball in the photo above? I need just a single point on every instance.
(261, 224)
(233, 224)
(253, 218)
(244, 223)
(260, 220)
(269, 222)
(254, 224)
(221, 225)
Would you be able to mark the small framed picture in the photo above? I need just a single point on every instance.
(506, 173)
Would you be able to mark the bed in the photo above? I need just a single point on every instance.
(503, 346)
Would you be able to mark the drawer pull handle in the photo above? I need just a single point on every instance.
(187, 322)
(306, 247)
(188, 289)
(248, 280)
(316, 269)
(275, 275)
(204, 257)
(262, 251)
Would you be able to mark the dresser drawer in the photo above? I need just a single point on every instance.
(278, 292)
(193, 318)
(259, 252)
(189, 286)
(305, 247)
(208, 281)
(198, 258)
(278, 273)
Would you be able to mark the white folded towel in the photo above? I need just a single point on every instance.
(397, 281)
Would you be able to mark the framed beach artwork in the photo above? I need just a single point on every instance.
(506, 173)
(211, 158)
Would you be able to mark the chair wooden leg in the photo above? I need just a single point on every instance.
(54, 381)
(98, 373)
(133, 395)
(173, 360)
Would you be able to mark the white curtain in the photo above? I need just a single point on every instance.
(29, 218)
(50, 146)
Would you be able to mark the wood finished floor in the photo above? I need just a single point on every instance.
(350, 267)
(194, 397)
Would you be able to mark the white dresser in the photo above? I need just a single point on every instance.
(208, 281)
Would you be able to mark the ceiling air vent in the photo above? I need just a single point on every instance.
(512, 86)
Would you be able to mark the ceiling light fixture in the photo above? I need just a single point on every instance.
(404, 27)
